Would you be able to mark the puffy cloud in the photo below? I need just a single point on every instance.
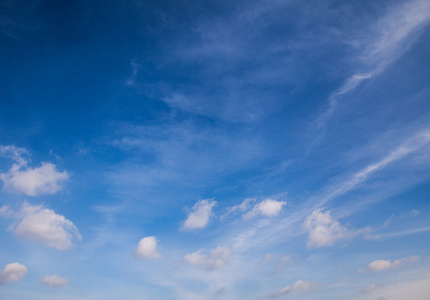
(216, 258)
(382, 264)
(296, 287)
(268, 208)
(147, 248)
(200, 215)
(12, 272)
(54, 280)
(43, 225)
(22, 179)
(323, 230)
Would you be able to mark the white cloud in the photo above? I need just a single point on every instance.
(54, 280)
(44, 226)
(382, 264)
(296, 287)
(240, 207)
(418, 289)
(147, 248)
(200, 215)
(14, 153)
(323, 230)
(12, 272)
(217, 258)
(268, 208)
(5, 211)
(391, 37)
(22, 179)
(416, 142)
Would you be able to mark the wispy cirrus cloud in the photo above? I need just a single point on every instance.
(215, 259)
(408, 146)
(298, 286)
(391, 36)
(371, 287)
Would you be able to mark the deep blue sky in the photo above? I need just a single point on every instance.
(214, 150)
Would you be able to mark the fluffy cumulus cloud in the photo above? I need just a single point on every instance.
(43, 225)
(323, 230)
(216, 258)
(54, 280)
(382, 264)
(12, 272)
(147, 248)
(23, 179)
(267, 208)
(200, 215)
(296, 287)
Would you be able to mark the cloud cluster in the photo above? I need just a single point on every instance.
(323, 230)
(296, 287)
(22, 179)
(216, 258)
(147, 248)
(382, 264)
(12, 272)
(200, 215)
(54, 280)
(267, 208)
(43, 225)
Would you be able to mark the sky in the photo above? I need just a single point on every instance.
(187, 150)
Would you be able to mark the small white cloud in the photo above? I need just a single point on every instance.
(371, 287)
(323, 230)
(22, 179)
(296, 287)
(12, 272)
(200, 215)
(44, 226)
(54, 280)
(267, 208)
(147, 248)
(382, 264)
(32, 182)
(217, 258)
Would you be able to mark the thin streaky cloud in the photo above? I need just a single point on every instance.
(393, 35)
(420, 139)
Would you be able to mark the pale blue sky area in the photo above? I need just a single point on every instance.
(187, 150)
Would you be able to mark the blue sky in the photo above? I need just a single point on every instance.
(214, 150)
